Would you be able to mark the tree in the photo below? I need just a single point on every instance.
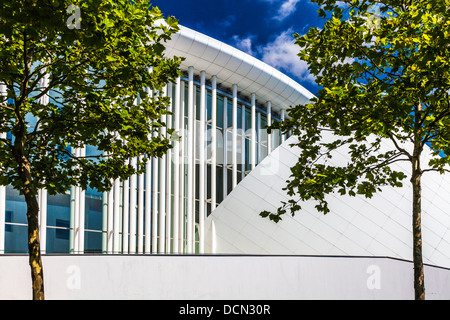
(383, 72)
(97, 63)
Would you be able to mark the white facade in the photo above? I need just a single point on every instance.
(356, 226)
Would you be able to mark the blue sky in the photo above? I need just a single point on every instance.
(262, 28)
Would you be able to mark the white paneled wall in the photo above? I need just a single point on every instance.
(356, 226)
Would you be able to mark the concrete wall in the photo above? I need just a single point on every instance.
(219, 277)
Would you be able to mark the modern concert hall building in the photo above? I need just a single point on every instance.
(203, 198)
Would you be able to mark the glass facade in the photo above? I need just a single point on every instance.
(150, 213)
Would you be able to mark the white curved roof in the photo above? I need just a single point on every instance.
(232, 66)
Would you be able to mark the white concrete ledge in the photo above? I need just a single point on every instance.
(209, 277)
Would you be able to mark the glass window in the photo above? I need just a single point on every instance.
(239, 120)
(248, 121)
(229, 180)
(220, 147)
(93, 214)
(229, 113)
(186, 99)
(16, 239)
(247, 155)
(208, 181)
(208, 105)
(208, 141)
(197, 102)
(16, 235)
(58, 223)
(263, 130)
(219, 184)
(220, 112)
(197, 181)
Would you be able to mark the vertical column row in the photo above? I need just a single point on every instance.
(140, 217)
(141, 222)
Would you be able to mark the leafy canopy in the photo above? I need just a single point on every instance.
(384, 76)
(98, 77)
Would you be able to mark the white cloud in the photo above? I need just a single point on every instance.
(287, 8)
(244, 44)
(282, 54)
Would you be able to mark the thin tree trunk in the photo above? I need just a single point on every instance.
(34, 248)
(24, 172)
(419, 285)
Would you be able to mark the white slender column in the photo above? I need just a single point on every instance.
(283, 115)
(43, 192)
(43, 219)
(155, 205)
(116, 217)
(243, 166)
(213, 142)
(162, 191)
(234, 138)
(148, 212)
(258, 134)
(140, 209)
(194, 173)
(176, 168)
(76, 212)
(168, 195)
(253, 133)
(269, 123)
(190, 163)
(126, 216)
(183, 137)
(110, 246)
(82, 201)
(225, 147)
(202, 139)
(104, 219)
(133, 215)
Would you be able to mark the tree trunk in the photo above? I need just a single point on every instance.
(419, 285)
(34, 248)
(34, 251)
